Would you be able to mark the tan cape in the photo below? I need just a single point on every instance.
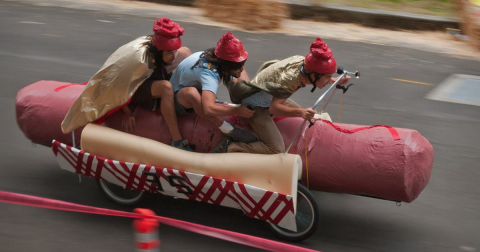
(113, 85)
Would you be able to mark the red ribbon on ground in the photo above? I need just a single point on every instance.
(247, 240)
(392, 130)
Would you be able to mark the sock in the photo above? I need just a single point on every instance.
(178, 142)
(226, 127)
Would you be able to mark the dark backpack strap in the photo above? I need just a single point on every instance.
(241, 90)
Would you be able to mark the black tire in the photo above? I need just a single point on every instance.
(119, 195)
(307, 218)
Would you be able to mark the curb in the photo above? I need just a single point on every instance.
(365, 17)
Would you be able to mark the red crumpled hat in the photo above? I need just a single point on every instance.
(320, 59)
(230, 48)
(166, 34)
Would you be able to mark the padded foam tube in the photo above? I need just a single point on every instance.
(41, 107)
(276, 173)
(369, 162)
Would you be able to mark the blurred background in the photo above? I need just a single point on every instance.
(420, 64)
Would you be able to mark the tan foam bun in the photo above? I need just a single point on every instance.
(276, 173)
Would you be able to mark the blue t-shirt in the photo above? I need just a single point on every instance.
(259, 99)
(200, 76)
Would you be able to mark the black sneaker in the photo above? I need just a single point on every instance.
(243, 136)
(222, 147)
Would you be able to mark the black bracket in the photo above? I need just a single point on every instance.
(342, 87)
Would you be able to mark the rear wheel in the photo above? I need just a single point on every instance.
(120, 195)
(307, 218)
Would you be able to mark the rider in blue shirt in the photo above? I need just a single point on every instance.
(196, 80)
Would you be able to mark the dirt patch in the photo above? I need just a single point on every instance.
(442, 8)
(246, 14)
(469, 15)
(438, 42)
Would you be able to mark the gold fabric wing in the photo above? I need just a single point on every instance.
(113, 85)
(282, 75)
(280, 78)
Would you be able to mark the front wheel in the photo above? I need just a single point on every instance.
(120, 195)
(307, 218)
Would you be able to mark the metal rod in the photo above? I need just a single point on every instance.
(333, 85)
(295, 137)
(328, 101)
(313, 107)
(73, 138)
(74, 146)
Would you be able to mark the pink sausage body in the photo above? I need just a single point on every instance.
(368, 162)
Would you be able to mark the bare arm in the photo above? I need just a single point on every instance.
(344, 80)
(278, 108)
(212, 109)
(126, 110)
(128, 119)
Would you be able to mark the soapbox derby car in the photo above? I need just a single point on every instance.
(376, 161)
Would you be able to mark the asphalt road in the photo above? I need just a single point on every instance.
(52, 43)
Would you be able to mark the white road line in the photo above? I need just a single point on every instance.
(105, 21)
(30, 22)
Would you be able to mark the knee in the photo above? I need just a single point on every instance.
(276, 149)
(189, 97)
(192, 94)
(162, 89)
(166, 86)
(184, 52)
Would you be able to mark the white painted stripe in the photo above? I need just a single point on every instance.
(241, 203)
(215, 195)
(94, 166)
(194, 178)
(277, 210)
(53, 35)
(31, 22)
(67, 157)
(105, 21)
(270, 201)
(146, 237)
(119, 167)
(237, 189)
(177, 173)
(207, 185)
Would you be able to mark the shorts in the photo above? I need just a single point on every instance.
(143, 98)
(179, 109)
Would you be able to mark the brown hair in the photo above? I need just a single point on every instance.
(223, 66)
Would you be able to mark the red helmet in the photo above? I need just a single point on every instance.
(320, 59)
(230, 48)
(166, 34)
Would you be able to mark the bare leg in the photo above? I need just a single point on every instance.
(189, 97)
(163, 89)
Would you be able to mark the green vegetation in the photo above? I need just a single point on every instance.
(442, 8)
